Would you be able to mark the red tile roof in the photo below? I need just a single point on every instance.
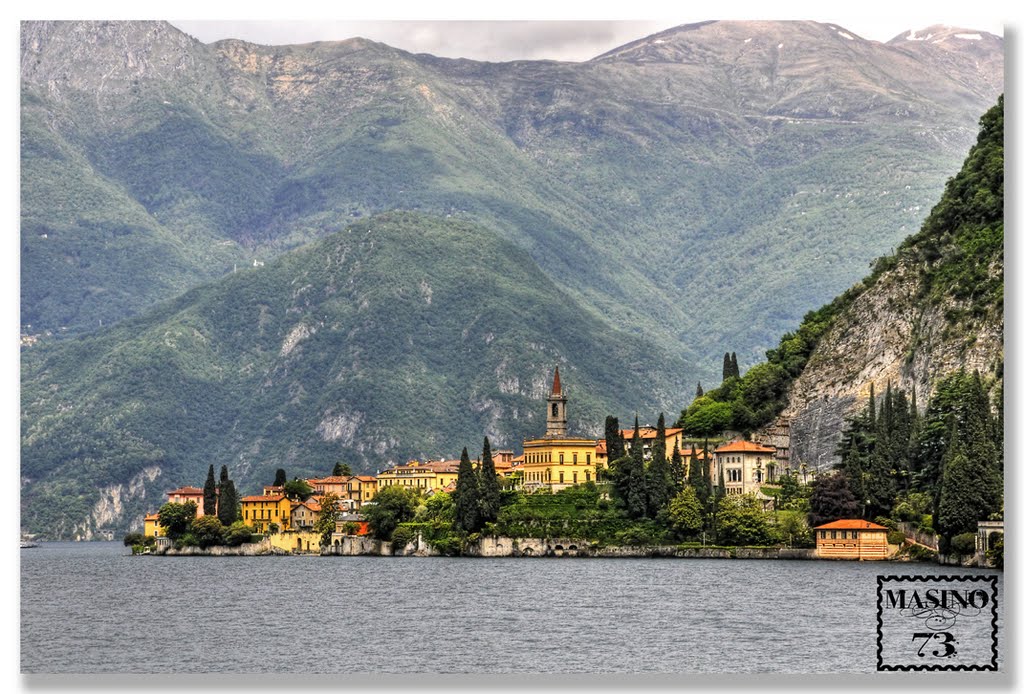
(851, 524)
(262, 498)
(556, 387)
(187, 491)
(744, 447)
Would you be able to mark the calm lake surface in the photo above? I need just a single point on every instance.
(94, 608)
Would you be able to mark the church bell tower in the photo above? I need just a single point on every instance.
(557, 420)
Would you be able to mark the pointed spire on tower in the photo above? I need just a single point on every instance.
(556, 387)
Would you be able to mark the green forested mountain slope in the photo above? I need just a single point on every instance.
(401, 336)
(703, 186)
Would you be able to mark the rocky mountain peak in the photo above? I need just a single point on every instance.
(100, 55)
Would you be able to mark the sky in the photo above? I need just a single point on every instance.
(564, 39)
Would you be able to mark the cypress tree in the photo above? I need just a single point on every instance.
(698, 479)
(613, 438)
(676, 470)
(659, 481)
(734, 367)
(965, 496)
(726, 367)
(210, 494)
(700, 390)
(490, 488)
(280, 477)
(341, 470)
(467, 496)
(636, 487)
(871, 410)
(227, 509)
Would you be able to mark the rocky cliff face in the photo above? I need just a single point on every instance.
(936, 307)
(886, 337)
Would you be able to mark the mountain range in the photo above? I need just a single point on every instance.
(212, 271)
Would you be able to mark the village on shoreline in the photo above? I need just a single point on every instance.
(756, 507)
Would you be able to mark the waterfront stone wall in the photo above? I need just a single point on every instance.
(496, 546)
(248, 549)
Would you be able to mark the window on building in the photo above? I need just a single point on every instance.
(573, 458)
(561, 478)
(561, 458)
(588, 460)
(574, 478)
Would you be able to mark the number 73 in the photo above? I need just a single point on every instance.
(944, 638)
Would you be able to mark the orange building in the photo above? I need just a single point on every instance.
(355, 488)
(852, 539)
(183, 495)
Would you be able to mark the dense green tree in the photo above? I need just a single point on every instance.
(489, 487)
(636, 480)
(341, 470)
(697, 479)
(792, 529)
(963, 545)
(208, 531)
(726, 367)
(965, 496)
(613, 441)
(175, 519)
(439, 506)
(327, 521)
(280, 477)
(707, 417)
(237, 533)
(677, 468)
(995, 550)
(210, 494)
(660, 485)
(734, 367)
(740, 520)
(130, 539)
(831, 499)
(789, 488)
(686, 514)
(227, 505)
(298, 489)
(467, 496)
(390, 507)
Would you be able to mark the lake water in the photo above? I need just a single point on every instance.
(94, 608)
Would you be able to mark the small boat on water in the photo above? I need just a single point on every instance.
(28, 544)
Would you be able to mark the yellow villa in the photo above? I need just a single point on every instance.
(355, 488)
(556, 460)
(431, 476)
(259, 512)
(151, 525)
